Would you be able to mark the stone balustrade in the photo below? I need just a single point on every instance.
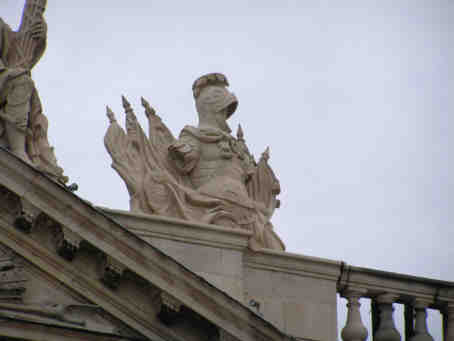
(386, 289)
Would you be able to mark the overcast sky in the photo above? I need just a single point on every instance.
(354, 98)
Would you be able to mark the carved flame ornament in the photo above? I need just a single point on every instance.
(206, 175)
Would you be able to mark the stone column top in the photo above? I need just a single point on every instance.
(421, 303)
(387, 298)
(353, 292)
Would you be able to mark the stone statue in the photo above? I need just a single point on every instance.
(23, 126)
(205, 175)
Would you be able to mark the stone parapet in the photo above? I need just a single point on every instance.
(407, 288)
(296, 292)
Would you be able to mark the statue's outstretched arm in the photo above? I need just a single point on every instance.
(185, 153)
(38, 32)
(30, 40)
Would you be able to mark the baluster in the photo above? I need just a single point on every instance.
(449, 323)
(354, 329)
(409, 316)
(386, 330)
(421, 332)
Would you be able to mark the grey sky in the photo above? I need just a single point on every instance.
(353, 97)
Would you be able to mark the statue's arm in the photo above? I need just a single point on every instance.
(185, 153)
(23, 48)
(39, 35)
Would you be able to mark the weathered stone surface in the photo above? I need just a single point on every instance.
(111, 271)
(12, 279)
(170, 309)
(214, 253)
(27, 215)
(67, 243)
(148, 272)
(205, 175)
(296, 293)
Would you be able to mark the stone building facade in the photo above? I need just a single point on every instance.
(196, 257)
(72, 271)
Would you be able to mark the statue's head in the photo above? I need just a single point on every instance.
(214, 102)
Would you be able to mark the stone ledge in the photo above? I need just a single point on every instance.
(287, 262)
(153, 226)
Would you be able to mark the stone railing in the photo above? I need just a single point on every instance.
(385, 289)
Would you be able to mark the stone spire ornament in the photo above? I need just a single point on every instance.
(205, 175)
(149, 111)
(239, 133)
(110, 115)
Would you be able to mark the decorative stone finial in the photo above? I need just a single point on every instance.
(126, 104)
(149, 110)
(266, 154)
(239, 133)
(110, 115)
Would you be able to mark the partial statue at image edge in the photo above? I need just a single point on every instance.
(23, 126)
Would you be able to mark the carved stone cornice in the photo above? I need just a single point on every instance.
(224, 336)
(111, 271)
(17, 328)
(23, 211)
(67, 243)
(27, 215)
(77, 278)
(170, 309)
